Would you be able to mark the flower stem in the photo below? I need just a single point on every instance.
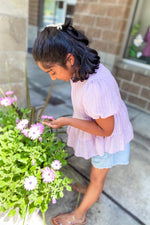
(25, 215)
(44, 218)
(24, 218)
(2, 92)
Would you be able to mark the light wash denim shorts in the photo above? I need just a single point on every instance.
(110, 160)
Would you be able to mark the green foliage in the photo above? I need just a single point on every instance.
(133, 51)
(135, 29)
(17, 154)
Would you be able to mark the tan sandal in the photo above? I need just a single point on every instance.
(62, 219)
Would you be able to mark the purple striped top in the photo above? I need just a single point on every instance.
(96, 97)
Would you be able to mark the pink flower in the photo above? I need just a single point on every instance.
(30, 183)
(50, 118)
(40, 138)
(25, 132)
(53, 200)
(44, 117)
(6, 101)
(15, 98)
(9, 93)
(56, 165)
(33, 162)
(17, 120)
(40, 126)
(47, 117)
(48, 175)
(22, 124)
(34, 132)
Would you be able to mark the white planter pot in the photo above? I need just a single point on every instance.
(34, 218)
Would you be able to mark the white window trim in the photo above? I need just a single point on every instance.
(127, 30)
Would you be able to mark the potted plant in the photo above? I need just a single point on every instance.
(31, 161)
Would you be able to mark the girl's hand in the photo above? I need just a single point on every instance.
(55, 124)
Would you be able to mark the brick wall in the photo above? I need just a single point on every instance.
(134, 87)
(34, 11)
(103, 21)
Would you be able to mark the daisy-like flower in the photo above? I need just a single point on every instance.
(40, 126)
(48, 175)
(56, 165)
(138, 40)
(22, 124)
(34, 132)
(50, 118)
(40, 138)
(47, 117)
(30, 183)
(9, 93)
(6, 101)
(139, 54)
(25, 132)
(53, 200)
(44, 117)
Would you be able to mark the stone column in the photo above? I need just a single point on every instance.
(13, 46)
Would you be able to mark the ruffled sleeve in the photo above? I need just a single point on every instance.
(101, 98)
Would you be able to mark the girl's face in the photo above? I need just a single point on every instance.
(58, 72)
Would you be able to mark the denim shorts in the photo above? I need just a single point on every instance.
(109, 160)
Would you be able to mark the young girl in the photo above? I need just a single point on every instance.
(100, 128)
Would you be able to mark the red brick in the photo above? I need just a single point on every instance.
(114, 48)
(142, 79)
(148, 108)
(118, 80)
(118, 11)
(99, 45)
(127, 2)
(132, 88)
(98, 9)
(93, 32)
(145, 93)
(104, 22)
(89, 2)
(137, 101)
(82, 7)
(119, 24)
(77, 18)
(109, 1)
(112, 36)
(124, 74)
(124, 95)
(87, 20)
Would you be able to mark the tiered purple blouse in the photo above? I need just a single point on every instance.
(96, 97)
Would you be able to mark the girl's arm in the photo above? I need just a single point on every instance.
(98, 127)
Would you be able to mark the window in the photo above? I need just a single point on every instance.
(55, 11)
(138, 45)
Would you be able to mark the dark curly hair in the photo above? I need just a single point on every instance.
(52, 46)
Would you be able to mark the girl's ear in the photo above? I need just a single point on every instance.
(70, 59)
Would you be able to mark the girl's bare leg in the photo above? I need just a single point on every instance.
(97, 180)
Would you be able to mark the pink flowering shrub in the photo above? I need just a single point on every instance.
(31, 159)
